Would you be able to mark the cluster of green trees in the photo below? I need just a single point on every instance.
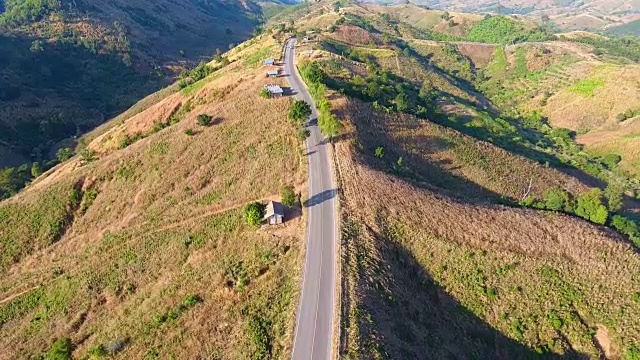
(503, 30)
(596, 206)
(389, 92)
(188, 77)
(13, 179)
(313, 76)
(299, 113)
(18, 12)
(529, 135)
(626, 47)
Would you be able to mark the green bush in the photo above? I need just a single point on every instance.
(191, 300)
(204, 120)
(590, 207)
(87, 156)
(555, 321)
(258, 329)
(289, 197)
(64, 154)
(312, 73)
(303, 134)
(189, 132)
(613, 193)
(633, 353)
(611, 160)
(253, 213)
(60, 350)
(264, 93)
(627, 227)
(558, 200)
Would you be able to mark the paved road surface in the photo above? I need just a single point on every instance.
(314, 322)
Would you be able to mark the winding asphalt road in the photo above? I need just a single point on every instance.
(314, 322)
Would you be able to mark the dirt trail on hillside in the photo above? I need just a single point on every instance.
(41, 282)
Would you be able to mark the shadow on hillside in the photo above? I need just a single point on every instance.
(506, 143)
(412, 317)
(436, 175)
(62, 90)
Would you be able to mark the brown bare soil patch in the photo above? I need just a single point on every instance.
(355, 36)
(605, 343)
(480, 54)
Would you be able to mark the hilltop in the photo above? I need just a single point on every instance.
(138, 246)
(619, 16)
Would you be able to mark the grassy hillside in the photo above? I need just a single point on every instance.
(572, 15)
(469, 239)
(69, 66)
(425, 273)
(138, 247)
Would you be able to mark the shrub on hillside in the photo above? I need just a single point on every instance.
(64, 154)
(60, 350)
(303, 134)
(87, 156)
(253, 213)
(204, 120)
(558, 200)
(264, 93)
(590, 207)
(289, 197)
(611, 160)
(613, 192)
(627, 227)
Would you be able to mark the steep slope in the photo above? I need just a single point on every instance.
(426, 273)
(68, 66)
(138, 247)
(444, 253)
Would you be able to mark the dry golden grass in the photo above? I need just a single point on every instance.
(426, 273)
(167, 222)
(622, 139)
(445, 158)
(354, 35)
(618, 93)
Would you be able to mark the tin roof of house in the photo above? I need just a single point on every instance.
(272, 72)
(269, 62)
(273, 208)
(274, 89)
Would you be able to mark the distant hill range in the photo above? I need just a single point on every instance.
(615, 16)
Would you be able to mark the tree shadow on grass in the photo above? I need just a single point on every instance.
(506, 143)
(372, 132)
(405, 314)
